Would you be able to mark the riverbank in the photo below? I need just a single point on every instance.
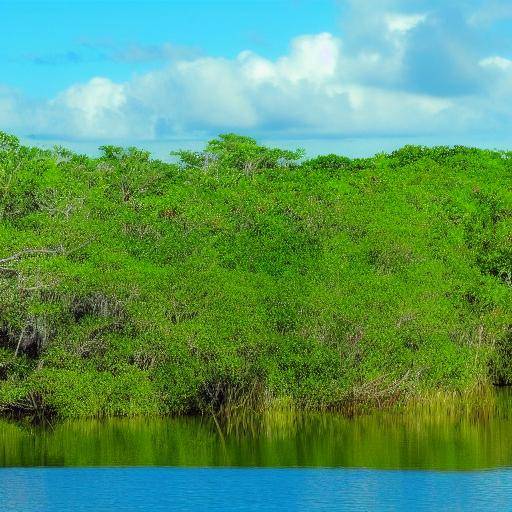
(243, 275)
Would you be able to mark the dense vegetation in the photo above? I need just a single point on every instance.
(243, 275)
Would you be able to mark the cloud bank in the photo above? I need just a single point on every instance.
(393, 72)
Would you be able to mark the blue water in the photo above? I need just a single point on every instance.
(167, 489)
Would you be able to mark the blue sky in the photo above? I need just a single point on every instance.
(353, 77)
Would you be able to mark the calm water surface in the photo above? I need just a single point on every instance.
(270, 489)
(420, 460)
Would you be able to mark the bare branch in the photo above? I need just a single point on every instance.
(31, 252)
(20, 339)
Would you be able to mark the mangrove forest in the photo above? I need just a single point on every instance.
(249, 276)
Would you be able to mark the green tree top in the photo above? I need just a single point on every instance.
(240, 153)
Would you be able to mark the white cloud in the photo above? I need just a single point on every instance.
(98, 108)
(313, 89)
(313, 59)
(93, 98)
(322, 86)
(403, 23)
(496, 62)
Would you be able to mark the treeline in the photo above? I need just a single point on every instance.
(243, 275)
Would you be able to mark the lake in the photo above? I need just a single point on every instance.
(269, 489)
(447, 458)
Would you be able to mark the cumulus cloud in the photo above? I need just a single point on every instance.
(324, 85)
(308, 91)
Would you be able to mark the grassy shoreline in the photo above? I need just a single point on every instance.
(480, 404)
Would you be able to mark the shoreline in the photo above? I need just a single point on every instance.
(480, 401)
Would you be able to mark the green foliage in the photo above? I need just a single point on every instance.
(8, 142)
(133, 286)
(112, 152)
(333, 163)
(240, 153)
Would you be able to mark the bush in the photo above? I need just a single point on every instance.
(239, 275)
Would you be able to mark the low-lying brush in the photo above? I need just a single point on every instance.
(244, 275)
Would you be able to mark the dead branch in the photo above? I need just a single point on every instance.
(20, 339)
(31, 252)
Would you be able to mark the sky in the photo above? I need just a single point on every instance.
(347, 76)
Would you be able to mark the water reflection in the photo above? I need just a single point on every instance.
(419, 439)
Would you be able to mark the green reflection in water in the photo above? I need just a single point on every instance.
(433, 439)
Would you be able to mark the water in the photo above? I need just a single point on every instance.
(377, 441)
(165, 489)
(447, 459)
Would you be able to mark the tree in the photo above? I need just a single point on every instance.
(8, 142)
(239, 152)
